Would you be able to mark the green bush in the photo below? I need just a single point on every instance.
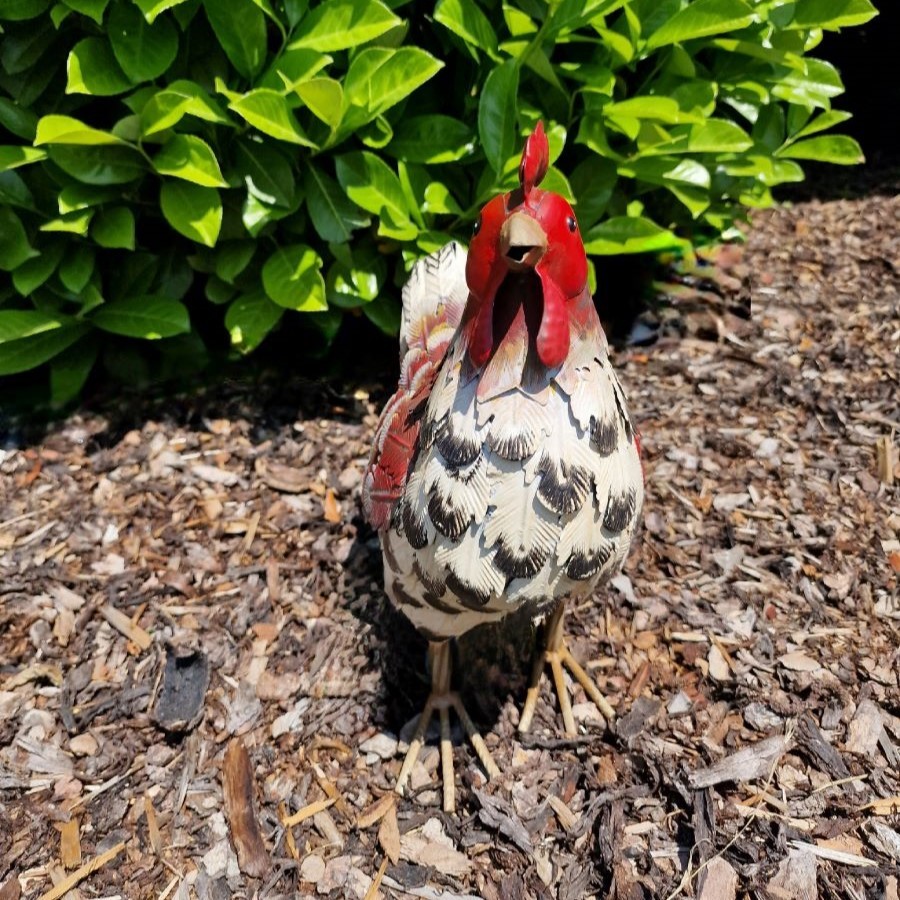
(162, 158)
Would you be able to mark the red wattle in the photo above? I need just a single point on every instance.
(553, 335)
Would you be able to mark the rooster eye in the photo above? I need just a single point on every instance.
(477, 226)
(571, 224)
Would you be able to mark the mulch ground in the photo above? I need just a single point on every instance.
(203, 693)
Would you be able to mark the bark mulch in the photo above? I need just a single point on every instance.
(203, 693)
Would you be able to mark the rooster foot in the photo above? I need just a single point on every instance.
(557, 655)
(442, 699)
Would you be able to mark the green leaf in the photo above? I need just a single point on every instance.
(369, 182)
(717, 136)
(467, 21)
(75, 222)
(143, 51)
(831, 148)
(16, 324)
(702, 18)
(14, 245)
(267, 174)
(333, 215)
(19, 10)
(181, 98)
(66, 130)
(14, 191)
(379, 78)
(30, 352)
(114, 228)
(100, 165)
(240, 27)
(292, 278)
(192, 210)
(250, 318)
(93, 9)
(268, 111)
(152, 8)
(69, 371)
(431, 139)
(832, 14)
(629, 234)
(18, 121)
(497, 114)
(29, 276)
(659, 109)
(291, 67)
(232, 257)
(92, 69)
(13, 156)
(342, 24)
(145, 316)
(191, 158)
(324, 97)
(77, 268)
(823, 122)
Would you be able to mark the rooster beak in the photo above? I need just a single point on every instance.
(522, 242)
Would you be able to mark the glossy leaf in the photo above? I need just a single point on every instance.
(250, 318)
(292, 279)
(342, 24)
(15, 247)
(837, 149)
(466, 20)
(334, 216)
(431, 139)
(240, 27)
(191, 158)
(30, 352)
(192, 210)
(702, 18)
(114, 228)
(497, 114)
(92, 69)
(268, 111)
(369, 182)
(832, 14)
(144, 51)
(145, 316)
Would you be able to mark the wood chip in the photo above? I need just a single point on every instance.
(754, 761)
(240, 810)
(838, 856)
(885, 806)
(123, 624)
(865, 729)
(153, 833)
(885, 454)
(331, 508)
(718, 881)
(372, 813)
(307, 812)
(799, 661)
(566, 818)
(280, 476)
(389, 834)
(63, 888)
(70, 843)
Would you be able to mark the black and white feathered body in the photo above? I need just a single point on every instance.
(502, 484)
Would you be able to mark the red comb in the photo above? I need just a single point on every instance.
(535, 159)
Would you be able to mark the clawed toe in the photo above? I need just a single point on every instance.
(557, 656)
(442, 700)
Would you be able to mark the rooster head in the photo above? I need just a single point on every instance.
(526, 258)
